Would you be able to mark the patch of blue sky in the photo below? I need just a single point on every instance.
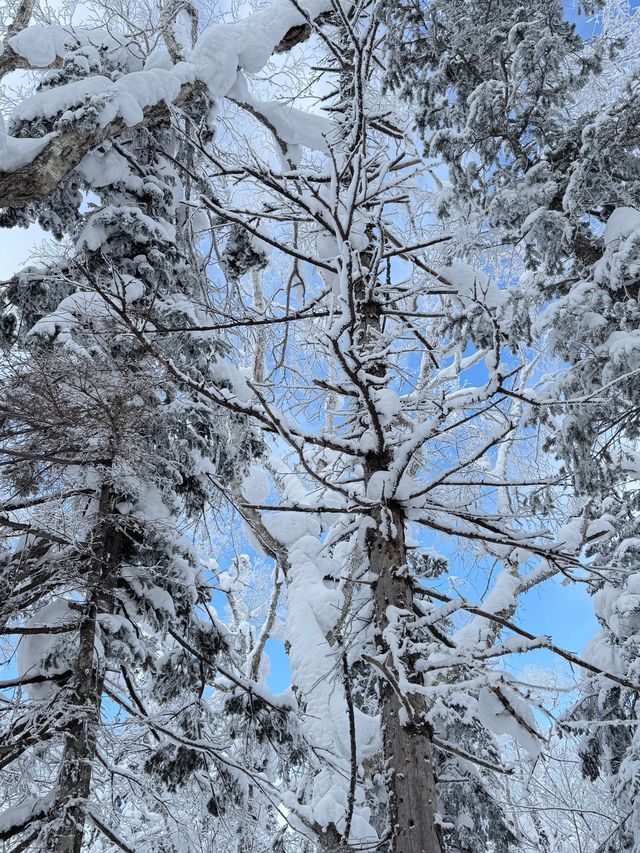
(588, 24)
(279, 677)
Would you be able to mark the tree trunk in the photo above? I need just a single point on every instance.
(74, 778)
(407, 744)
(408, 750)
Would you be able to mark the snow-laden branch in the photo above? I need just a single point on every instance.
(539, 642)
(10, 58)
(31, 168)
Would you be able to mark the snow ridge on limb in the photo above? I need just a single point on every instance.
(35, 179)
(30, 170)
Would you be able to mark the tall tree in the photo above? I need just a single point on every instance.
(538, 128)
(375, 452)
(107, 462)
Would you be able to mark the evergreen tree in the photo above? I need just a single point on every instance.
(538, 130)
(109, 466)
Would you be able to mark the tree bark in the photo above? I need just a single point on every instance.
(407, 737)
(74, 778)
(408, 749)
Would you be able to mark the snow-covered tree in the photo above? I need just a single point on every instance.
(108, 465)
(256, 303)
(383, 431)
(538, 129)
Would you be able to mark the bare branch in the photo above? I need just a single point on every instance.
(110, 834)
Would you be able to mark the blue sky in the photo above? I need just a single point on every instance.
(587, 24)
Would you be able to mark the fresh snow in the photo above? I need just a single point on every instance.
(621, 224)
(47, 654)
(16, 153)
(41, 46)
